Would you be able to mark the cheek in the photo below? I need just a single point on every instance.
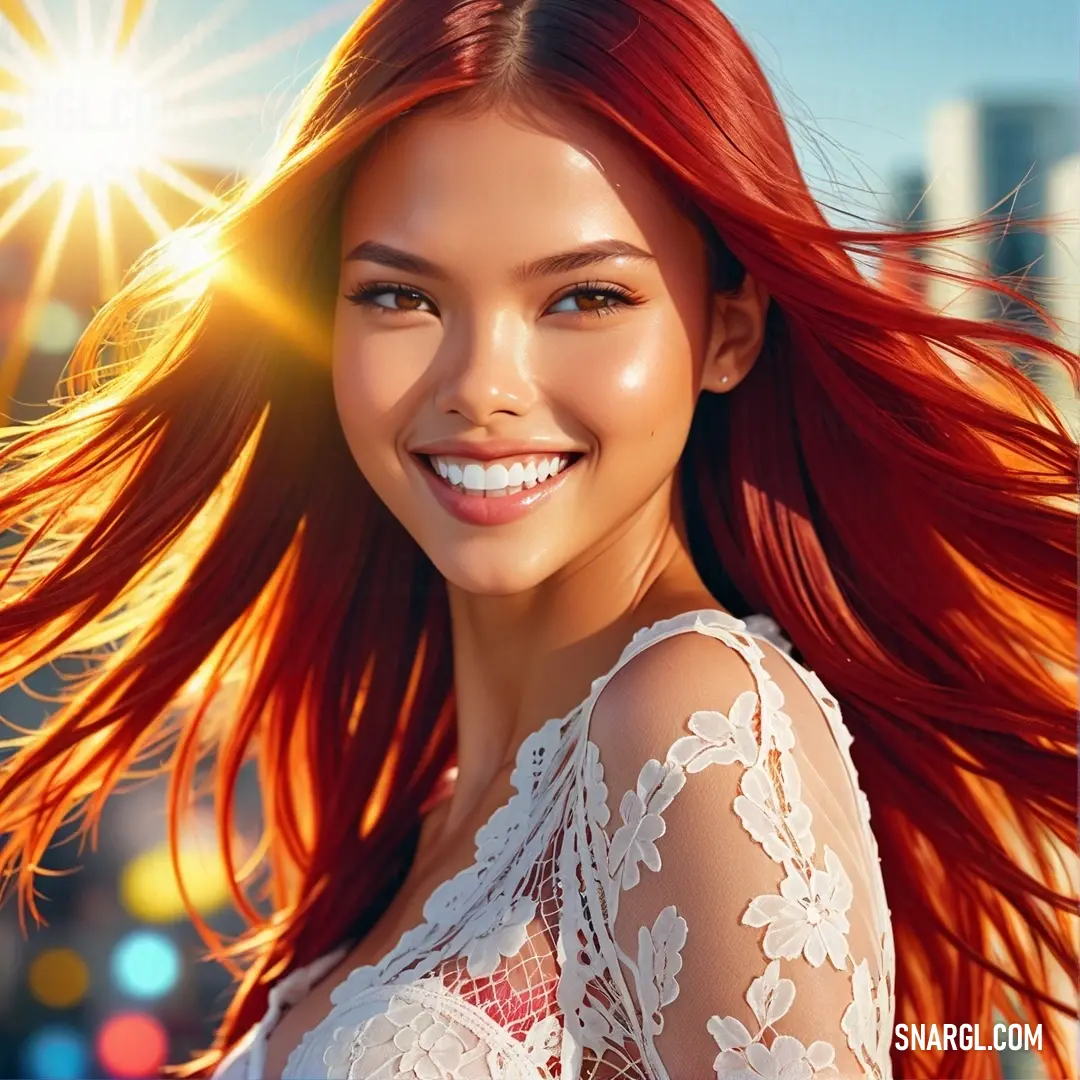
(636, 383)
(375, 380)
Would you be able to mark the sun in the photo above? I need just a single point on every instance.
(89, 121)
(97, 116)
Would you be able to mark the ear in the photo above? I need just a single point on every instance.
(737, 333)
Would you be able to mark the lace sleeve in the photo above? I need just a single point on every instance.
(743, 892)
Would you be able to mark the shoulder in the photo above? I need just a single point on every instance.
(714, 690)
(735, 853)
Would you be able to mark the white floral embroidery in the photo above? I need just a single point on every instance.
(535, 757)
(745, 1056)
(808, 917)
(781, 831)
(596, 791)
(506, 939)
(446, 901)
(864, 1022)
(503, 831)
(544, 1041)
(785, 1059)
(635, 840)
(783, 738)
(719, 739)
(408, 1041)
(659, 961)
(769, 996)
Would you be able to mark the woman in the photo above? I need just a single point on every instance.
(528, 372)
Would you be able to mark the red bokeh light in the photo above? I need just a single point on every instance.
(132, 1045)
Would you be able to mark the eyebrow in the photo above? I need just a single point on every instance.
(576, 259)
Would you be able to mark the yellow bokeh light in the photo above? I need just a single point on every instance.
(90, 121)
(149, 892)
(55, 327)
(59, 978)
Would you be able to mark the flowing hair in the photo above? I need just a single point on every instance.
(190, 520)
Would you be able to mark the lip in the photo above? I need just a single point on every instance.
(481, 510)
(491, 450)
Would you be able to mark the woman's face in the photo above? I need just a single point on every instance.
(511, 300)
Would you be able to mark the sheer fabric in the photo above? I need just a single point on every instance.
(685, 884)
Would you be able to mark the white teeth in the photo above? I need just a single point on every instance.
(495, 477)
(477, 478)
(472, 476)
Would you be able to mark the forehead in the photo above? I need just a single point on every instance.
(498, 186)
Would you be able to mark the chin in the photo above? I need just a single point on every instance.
(484, 575)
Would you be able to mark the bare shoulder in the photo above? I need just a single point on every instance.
(647, 705)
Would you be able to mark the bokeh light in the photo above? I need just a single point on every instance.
(56, 328)
(148, 888)
(145, 964)
(59, 978)
(56, 1052)
(132, 1045)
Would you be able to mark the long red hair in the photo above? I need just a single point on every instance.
(192, 520)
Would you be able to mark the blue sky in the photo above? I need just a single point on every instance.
(857, 77)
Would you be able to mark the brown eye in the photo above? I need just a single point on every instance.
(592, 301)
(408, 301)
(389, 299)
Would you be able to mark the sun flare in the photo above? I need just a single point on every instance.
(97, 116)
(90, 121)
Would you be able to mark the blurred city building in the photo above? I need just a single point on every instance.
(1012, 161)
(992, 157)
(1063, 247)
(907, 211)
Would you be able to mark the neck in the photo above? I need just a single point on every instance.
(520, 660)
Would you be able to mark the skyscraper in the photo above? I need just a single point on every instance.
(1063, 247)
(907, 211)
(1063, 274)
(993, 157)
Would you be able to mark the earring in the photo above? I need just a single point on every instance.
(724, 379)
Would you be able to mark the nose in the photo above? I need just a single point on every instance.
(484, 368)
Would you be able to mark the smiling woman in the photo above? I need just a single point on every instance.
(537, 396)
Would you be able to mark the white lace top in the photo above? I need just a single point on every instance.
(684, 885)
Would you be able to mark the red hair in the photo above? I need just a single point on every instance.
(195, 506)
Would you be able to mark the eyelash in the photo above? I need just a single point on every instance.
(364, 296)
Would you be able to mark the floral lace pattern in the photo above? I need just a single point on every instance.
(518, 971)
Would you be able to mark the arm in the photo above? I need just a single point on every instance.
(743, 891)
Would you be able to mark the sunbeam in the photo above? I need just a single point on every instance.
(108, 268)
(83, 112)
(200, 32)
(26, 199)
(255, 54)
(155, 220)
(25, 25)
(19, 347)
(182, 183)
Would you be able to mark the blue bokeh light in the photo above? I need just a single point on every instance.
(146, 965)
(56, 1052)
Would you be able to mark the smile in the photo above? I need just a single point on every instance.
(495, 492)
(498, 479)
